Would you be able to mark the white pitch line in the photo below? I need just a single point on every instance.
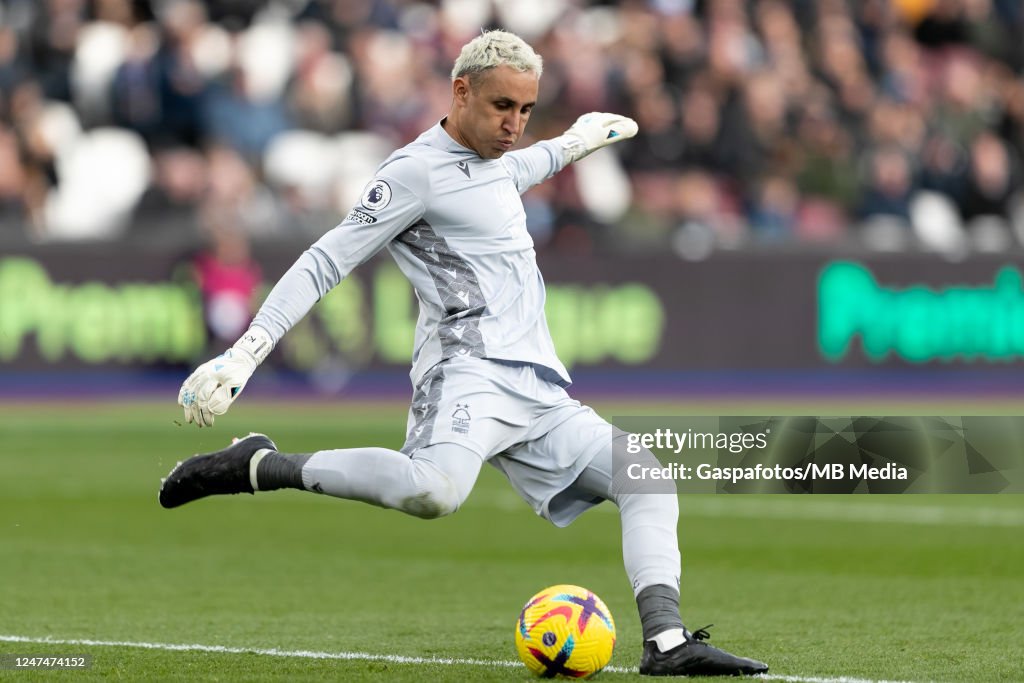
(363, 656)
(271, 652)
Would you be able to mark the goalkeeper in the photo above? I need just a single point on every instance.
(488, 386)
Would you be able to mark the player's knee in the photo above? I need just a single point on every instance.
(432, 503)
(436, 495)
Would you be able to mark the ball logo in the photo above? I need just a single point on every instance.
(377, 195)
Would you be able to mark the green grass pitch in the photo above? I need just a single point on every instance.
(868, 588)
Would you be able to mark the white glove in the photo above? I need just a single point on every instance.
(593, 131)
(215, 384)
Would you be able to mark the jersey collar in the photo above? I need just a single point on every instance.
(438, 137)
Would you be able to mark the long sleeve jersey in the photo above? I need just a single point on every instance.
(455, 225)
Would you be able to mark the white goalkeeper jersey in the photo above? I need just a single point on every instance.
(455, 224)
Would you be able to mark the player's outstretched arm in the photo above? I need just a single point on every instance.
(593, 131)
(215, 384)
(391, 203)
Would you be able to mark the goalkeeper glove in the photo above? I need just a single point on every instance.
(214, 385)
(593, 131)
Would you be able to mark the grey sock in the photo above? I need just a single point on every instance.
(281, 471)
(659, 610)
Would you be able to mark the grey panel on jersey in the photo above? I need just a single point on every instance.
(457, 287)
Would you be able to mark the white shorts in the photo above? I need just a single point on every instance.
(523, 425)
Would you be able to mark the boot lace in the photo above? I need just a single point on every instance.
(702, 633)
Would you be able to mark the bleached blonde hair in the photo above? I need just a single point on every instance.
(492, 49)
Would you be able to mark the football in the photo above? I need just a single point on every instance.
(565, 631)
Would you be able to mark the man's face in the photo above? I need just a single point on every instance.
(493, 112)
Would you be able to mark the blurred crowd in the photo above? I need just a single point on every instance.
(891, 124)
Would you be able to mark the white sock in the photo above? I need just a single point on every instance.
(666, 640)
